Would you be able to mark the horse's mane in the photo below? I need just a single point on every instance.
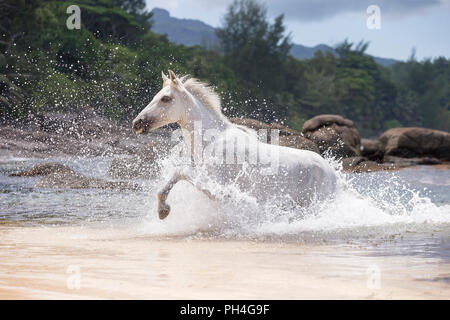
(204, 92)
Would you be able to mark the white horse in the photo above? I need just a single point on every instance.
(231, 153)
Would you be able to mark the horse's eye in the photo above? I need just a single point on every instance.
(166, 99)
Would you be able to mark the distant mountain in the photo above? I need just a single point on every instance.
(303, 52)
(192, 32)
(183, 31)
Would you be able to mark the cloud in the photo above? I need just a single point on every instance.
(313, 10)
(211, 11)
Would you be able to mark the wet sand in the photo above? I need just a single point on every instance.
(112, 263)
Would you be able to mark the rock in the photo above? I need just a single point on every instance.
(73, 180)
(326, 120)
(57, 175)
(134, 167)
(411, 161)
(43, 169)
(145, 163)
(371, 166)
(156, 149)
(30, 140)
(361, 164)
(416, 142)
(351, 162)
(298, 142)
(333, 133)
(428, 161)
(85, 124)
(287, 137)
(371, 149)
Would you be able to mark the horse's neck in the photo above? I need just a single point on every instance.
(198, 113)
(196, 121)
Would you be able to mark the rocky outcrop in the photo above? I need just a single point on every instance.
(56, 175)
(298, 142)
(372, 149)
(43, 169)
(362, 164)
(352, 162)
(416, 142)
(31, 141)
(405, 162)
(334, 134)
(372, 166)
(386, 162)
(73, 180)
(326, 120)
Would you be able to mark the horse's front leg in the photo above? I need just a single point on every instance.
(163, 207)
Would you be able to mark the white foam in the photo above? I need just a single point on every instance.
(383, 205)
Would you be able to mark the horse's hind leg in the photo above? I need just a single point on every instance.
(163, 207)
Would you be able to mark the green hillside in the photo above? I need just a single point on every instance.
(112, 66)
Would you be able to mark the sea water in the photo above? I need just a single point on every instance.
(413, 201)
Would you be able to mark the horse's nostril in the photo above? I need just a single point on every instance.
(137, 124)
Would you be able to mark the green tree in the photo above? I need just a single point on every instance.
(255, 49)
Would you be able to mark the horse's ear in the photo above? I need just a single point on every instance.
(165, 78)
(173, 78)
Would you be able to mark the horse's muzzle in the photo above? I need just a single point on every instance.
(141, 126)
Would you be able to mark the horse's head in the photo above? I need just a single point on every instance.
(166, 107)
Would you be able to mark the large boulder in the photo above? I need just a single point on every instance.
(333, 133)
(287, 136)
(416, 142)
(298, 142)
(372, 149)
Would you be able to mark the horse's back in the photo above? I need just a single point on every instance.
(279, 171)
(310, 175)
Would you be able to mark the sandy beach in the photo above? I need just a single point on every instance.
(251, 151)
(98, 263)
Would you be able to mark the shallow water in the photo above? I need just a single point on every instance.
(379, 205)
(395, 222)
(367, 205)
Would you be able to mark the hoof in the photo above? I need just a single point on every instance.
(163, 210)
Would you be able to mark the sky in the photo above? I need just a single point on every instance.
(404, 24)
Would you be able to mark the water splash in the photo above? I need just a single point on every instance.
(366, 205)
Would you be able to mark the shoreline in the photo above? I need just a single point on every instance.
(49, 262)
